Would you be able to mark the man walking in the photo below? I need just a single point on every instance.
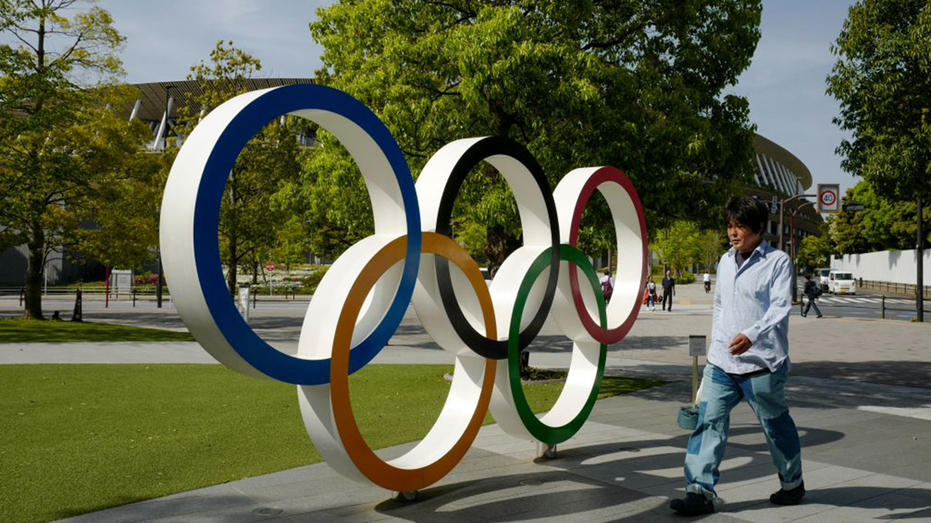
(811, 290)
(748, 359)
(669, 288)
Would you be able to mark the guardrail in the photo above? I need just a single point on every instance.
(882, 306)
(903, 289)
(143, 295)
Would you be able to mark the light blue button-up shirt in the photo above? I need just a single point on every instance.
(754, 300)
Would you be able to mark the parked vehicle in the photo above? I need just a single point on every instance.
(822, 278)
(842, 282)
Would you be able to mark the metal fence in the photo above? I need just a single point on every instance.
(135, 296)
(904, 289)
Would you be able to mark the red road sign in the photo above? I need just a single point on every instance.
(828, 197)
(270, 266)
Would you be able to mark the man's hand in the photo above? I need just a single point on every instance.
(740, 344)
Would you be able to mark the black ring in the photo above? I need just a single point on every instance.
(475, 154)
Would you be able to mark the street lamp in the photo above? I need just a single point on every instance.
(782, 211)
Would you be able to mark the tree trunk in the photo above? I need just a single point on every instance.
(232, 273)
(498, 246)
(233, 250)
(34, 272)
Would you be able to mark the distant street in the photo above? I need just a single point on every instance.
(867, 304)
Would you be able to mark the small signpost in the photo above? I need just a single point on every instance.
(828, 197)
(696, 348)
(270, 266)
(688, 415)
(243, 303)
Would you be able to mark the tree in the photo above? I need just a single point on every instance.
(124, 211)
(253, 208)
(813, 252)
(711, 245)
(882, 79)
(882, 224)
(636, 85)
(52, 83)
(679, 245)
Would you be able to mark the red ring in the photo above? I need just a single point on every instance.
(603, 175)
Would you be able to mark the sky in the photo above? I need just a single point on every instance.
(785, 83)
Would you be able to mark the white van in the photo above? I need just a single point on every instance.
(822, 278)
(841, 282)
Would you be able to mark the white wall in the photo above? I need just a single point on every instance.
(890, 266)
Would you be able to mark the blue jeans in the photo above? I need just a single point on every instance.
(720, 393)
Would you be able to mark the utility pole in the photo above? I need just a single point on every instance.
(920, 287)
(792, 249)
(782, 212)
(161, 277)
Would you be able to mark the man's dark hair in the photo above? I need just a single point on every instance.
(746, 211)
(808, 276)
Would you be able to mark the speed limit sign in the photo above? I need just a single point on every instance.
(828, 197)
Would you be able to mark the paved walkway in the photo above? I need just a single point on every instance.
(860, 393)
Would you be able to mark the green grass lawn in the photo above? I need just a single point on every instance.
(18, 330)
(79, 438)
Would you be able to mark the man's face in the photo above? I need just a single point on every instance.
(742, 237)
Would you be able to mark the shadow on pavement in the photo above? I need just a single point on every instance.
(902, 373)
(599, 480)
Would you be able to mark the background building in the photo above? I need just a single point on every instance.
(781, 175)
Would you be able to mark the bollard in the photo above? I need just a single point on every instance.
(884, 306)
(22, 296)
(134, 298)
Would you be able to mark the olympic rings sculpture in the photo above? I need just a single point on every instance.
(410, 258)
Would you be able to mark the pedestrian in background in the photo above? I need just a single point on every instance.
(748, 360)
(812, 291)
(669, 288)
(651, 294)
(607, 285)
(707, 279)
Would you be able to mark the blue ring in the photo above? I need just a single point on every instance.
(249, 121)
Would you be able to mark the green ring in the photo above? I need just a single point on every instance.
(539, 430)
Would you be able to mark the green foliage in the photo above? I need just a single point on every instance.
(678, 244)
(813, 253)
(80, 438)
(33, 331)
(883, 224)
(636, 85)
(313, 280)
(255, 214)
(59, 145)
(684, 278)
(882, 80)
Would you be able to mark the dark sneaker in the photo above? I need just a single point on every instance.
(789, 497)
(692, 505)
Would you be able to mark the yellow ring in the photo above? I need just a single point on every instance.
(370, 465)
